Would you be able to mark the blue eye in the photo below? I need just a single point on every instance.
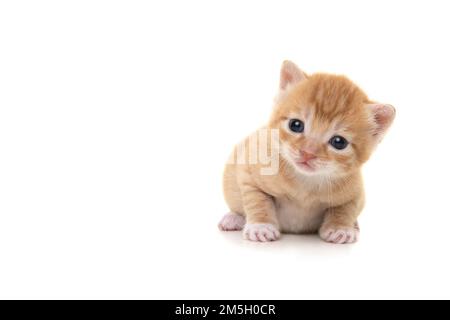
(338, 142)
(296, 125)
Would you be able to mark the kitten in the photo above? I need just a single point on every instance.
(325, 128)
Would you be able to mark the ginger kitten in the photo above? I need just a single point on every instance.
(322, 129)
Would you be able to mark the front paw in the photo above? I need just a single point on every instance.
(339, 235)
(262, 232)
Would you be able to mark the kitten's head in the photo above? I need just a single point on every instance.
(327, 124)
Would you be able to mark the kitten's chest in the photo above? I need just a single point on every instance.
(300, 205)
(299, 215)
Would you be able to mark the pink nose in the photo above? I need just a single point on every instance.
(306, 156)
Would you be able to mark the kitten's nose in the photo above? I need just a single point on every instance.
(306, 156)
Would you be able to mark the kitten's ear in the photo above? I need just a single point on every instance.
(290, 74)
(383, 116)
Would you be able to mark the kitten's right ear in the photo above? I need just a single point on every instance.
(383, 115)
(290, 74)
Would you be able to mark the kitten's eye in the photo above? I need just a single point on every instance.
(296, 125)
(339, 142)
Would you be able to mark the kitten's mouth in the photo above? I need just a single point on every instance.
(301, 164)
(304, 165)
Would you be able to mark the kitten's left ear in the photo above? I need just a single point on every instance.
(290, 74)
(383, 116)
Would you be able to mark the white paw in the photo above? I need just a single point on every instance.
(339, 235)
(231, 222)
(262, 232)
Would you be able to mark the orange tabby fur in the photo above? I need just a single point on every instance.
(328, 195)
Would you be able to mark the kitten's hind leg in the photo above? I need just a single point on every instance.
(232, 222)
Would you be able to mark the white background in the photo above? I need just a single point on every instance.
(116, 118)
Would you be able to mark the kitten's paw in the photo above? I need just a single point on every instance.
(232, 222)
(262, 232)
(340, 235)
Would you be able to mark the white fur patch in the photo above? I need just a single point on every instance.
(262, 232)
(298, 216)
(232, 222)
(339, 235)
